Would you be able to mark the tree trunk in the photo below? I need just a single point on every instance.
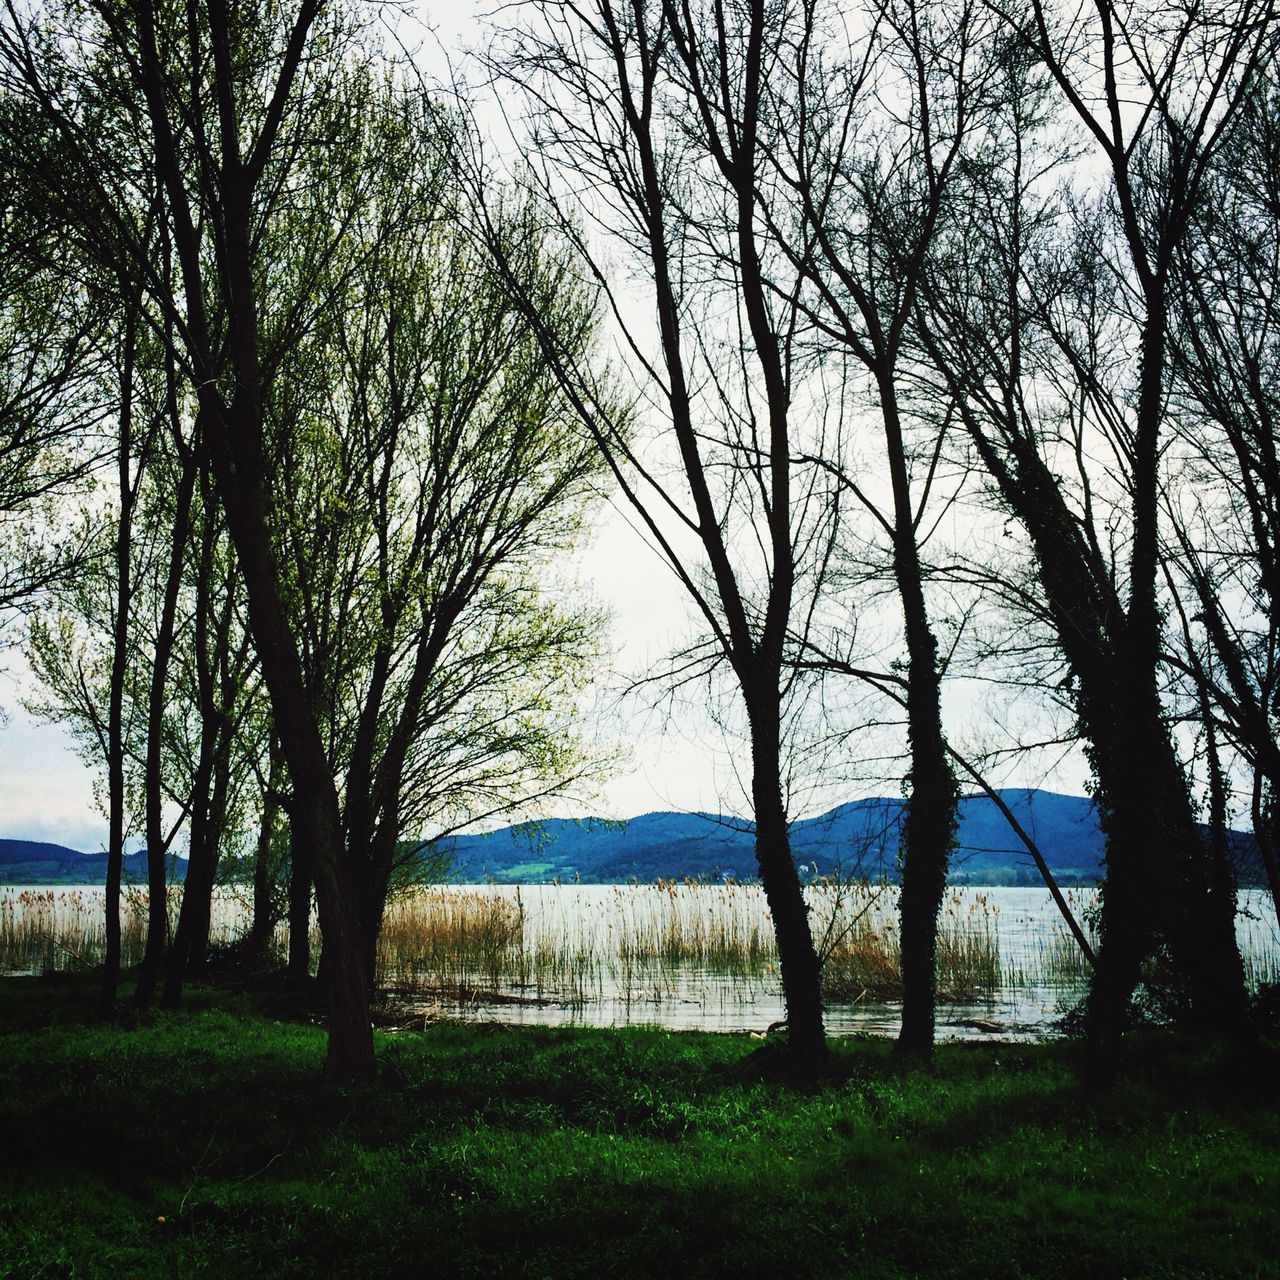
(299, 905)
(373, 905)
(1163, 885)
(264, 916)
(199, 844)
(202, 906)
(220, 712)
(157, 889)
(1125, 929)
(119, 666)
(1200, 922)
(238, 463)
(196, 893)
(928, 834)
(929, 826)
(199, 873)
(798, 960)
(1152, 843)
(1147, 794)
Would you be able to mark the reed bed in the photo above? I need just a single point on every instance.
(1052, 955)
(671, 924)
(633, 943)
(445, 936)
(52, 930)
(862, 958)
(646, 941)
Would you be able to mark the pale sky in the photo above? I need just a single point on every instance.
(680, 762)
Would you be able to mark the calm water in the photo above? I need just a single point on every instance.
(1026, 922)
(594, 929)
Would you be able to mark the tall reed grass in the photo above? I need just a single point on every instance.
(862, 958)
(629, 942)
(646, 940)
(442, 937)
(52, 930)
(49, 930)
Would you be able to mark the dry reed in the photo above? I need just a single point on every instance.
(47, 930)
(631, 942)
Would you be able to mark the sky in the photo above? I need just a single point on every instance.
(677, 761)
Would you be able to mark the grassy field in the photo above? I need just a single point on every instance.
(206, 1143)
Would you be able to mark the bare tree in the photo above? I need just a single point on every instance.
(1224, 505)
(652, 126)
(1052, 351)
(881, 124)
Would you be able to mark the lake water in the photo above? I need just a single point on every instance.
(683, 956)
(1024, 924)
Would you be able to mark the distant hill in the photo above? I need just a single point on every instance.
(860, 837)
(35, 862)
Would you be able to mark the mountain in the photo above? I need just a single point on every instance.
(35, 862)
(860, 837)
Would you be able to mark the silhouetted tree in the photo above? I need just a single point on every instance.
(658, 116)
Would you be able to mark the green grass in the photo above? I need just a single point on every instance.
(206, 1143)
(531, 871)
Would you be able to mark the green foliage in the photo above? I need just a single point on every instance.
(428, 478)
(207, 1144)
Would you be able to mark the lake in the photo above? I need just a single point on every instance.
(670, 955)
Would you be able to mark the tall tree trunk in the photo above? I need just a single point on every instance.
(929, 826)
(1125, 922)
(234, 438)
(373, 898)
(236, 453)
(264, 913)
(196, 892)
(224, 724)
(157, 896)
(798, 960)
(299, 904)
(1153, 847)
(199, 881)
(1200, 922)
(1147, 796)
(928, 834)
(1126, 902)
(119, 667)
(202, 904)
